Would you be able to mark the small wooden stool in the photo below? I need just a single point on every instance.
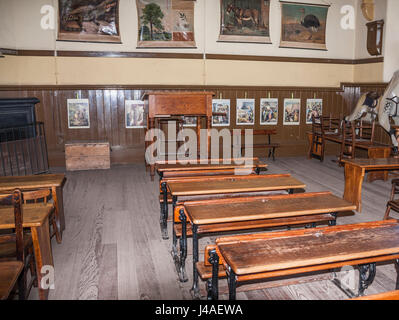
(393, 204)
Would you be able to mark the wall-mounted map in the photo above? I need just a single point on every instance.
(165, 23)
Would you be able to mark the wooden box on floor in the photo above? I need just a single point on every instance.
(87, 155)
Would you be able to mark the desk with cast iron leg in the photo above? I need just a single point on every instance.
(231, 215)
(169, 171)
(223, 187)
(249, 257)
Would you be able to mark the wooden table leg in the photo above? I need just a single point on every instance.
(374, 153)
(43, 253)
(59, 212)
(353, 185)
(152, 165)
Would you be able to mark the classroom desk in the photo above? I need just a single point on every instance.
(53, 181)
(374, 150)
(213, 167)
(36, 218)
(229, 215)
(249, 257)
(173, 171)
(229, 187)
(355, 170)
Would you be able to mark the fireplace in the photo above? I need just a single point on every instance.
(16, 113)
(23, 148)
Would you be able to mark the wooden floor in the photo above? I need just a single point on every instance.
(112, 246)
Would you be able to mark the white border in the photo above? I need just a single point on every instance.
(260, 112)
(306, 111)
(237, 103)
(83, 101)
(221, 101)
(299, 120)
(134, 102)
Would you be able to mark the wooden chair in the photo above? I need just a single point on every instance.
(365, 131)
(44, 195)
(392, 204)
(347, 141)
(12, 272)
(318, 141)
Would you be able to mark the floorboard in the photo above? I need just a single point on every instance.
(112, 246)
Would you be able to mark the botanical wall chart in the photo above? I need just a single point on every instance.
(244, 21)
(303, 25)
(165, 23)
(89, 20)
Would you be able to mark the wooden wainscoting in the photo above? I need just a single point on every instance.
(107, 114)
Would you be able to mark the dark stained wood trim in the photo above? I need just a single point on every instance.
(35, 53)
(114, 54)
(291, 59)
(187, 87)
(369, 60)
(167, 55)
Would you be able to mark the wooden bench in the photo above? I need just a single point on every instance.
(248, 257)
(267, 144)
(196, 218)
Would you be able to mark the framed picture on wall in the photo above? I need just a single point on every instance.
(292, 111)
(165, 23)
(244, 21)
(78, 113)
(303, 25)
(314, 107)
(268, 111)
(89, 20)
(245, 112)
(221, 106)
(134, 114)
(189, 121)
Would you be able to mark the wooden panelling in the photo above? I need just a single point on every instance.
(107, 112)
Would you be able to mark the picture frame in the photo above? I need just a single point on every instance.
(165, 24)
(247, 21)
(78, 113)
(190, 121)
(91, 21)
(292, 112)
(314, 107)
(245, 111)
(134, 114)
(221, 105)
(303, 25)
(268, 114)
